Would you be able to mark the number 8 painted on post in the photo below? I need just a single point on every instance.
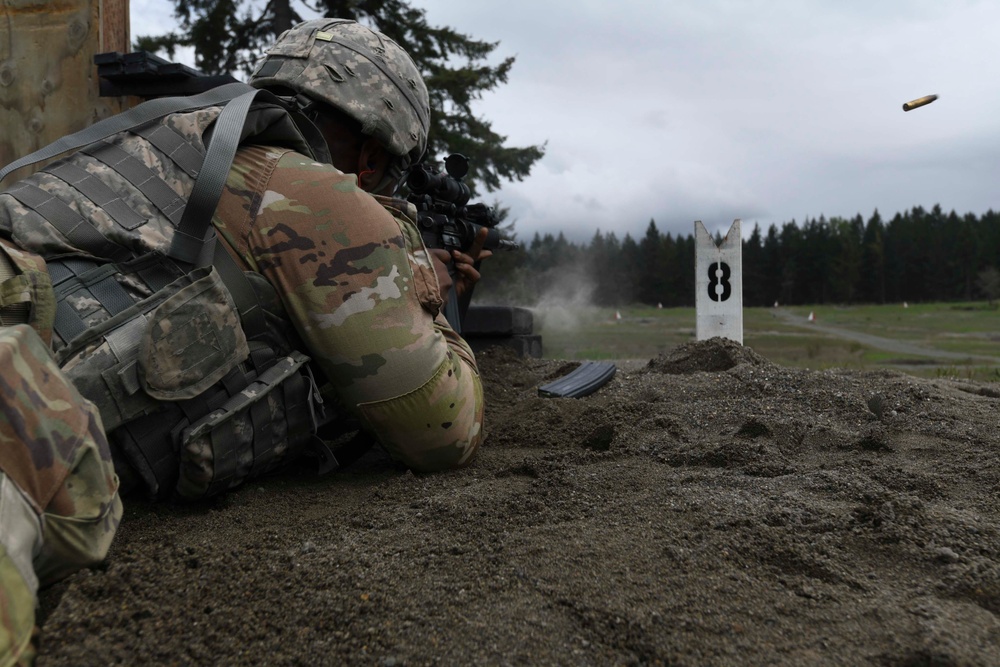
(714, 281)
(719, 284)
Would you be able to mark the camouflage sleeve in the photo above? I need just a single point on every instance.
(359, 287)
(59, 505)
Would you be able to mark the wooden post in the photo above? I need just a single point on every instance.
(48, 80)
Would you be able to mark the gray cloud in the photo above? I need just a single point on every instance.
(716, 109)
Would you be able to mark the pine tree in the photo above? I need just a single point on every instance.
(753, 261)
(229, 35)
(873, 261)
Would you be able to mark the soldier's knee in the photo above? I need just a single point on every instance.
(57, 455)
(20, 538)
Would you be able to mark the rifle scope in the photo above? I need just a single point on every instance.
(426, 180)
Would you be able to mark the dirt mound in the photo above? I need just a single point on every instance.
(713, 355)
(709, 509)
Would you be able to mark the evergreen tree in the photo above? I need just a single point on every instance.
(872, 282)
(229, 35)
(651, 285)
(790, 286)
(988, 236)
(845, 277)
(988, 284)
(685, 268)
(959, 249)
(633, 269)
(753, 261)
(773, 267)
(670, 268)
(618, 272)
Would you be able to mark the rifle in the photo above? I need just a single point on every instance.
(446, 220)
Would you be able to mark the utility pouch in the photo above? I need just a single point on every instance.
(194, 338)
(25, 291)
(168, 346)
(270, 421)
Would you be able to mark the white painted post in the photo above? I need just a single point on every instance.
(719, 284)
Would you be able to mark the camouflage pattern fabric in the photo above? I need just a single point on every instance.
(358, 71)
(147, 225)
(359, 287)
(32, 232)
(25, 291)
(59, 505)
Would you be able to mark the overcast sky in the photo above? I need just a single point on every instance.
(711, 110)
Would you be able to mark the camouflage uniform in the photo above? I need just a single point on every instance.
(353, 276)
(359, 288)
(59, 505)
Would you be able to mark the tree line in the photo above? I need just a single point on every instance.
(919, 255)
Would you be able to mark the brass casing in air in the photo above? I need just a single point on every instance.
(919, 102)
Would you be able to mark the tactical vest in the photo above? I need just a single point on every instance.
(200, 383)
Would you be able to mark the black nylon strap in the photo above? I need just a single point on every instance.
(61, 270)
(156, 276)
(110, 294)
(235, 381)
(135, 117)
(58, 272)
(67, 322)
(71, 275)
(192, 240)
(149, 449)
(262, 358)
(243, 293)
(98, 192)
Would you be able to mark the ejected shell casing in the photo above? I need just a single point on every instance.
(919, 102)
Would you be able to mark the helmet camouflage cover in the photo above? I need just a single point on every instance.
(358, 71)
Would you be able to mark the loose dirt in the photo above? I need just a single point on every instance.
(704, 508)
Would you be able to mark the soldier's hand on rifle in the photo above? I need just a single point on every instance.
(465, 265)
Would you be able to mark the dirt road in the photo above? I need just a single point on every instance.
(887, 344)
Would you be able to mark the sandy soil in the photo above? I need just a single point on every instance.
(706, 508)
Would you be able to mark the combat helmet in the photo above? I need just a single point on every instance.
(357, 71)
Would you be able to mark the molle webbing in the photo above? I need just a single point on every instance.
(70, 277)
(145, 180)
(135, 117)
(135, 234)
(183, 153)
(74, 279)
(192, 241)
(149, 443)
(67, 220)
(98, 192)
(251, 421)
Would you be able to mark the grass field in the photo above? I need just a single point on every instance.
(957, 339)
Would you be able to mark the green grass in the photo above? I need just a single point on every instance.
(970, 329)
